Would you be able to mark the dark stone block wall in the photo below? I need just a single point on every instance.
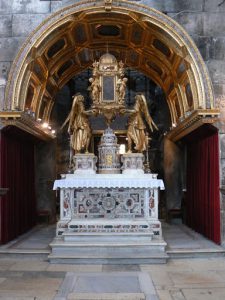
(202, 19)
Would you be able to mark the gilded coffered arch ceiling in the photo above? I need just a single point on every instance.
(144, 39)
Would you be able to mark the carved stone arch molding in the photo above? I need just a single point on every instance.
(70, 40)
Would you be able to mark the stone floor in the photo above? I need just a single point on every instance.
(37, 239)
(184, 242)
(32, 277)
(179, 279)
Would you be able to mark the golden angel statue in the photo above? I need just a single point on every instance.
(79, 127)
(136, 124)
(95, 89)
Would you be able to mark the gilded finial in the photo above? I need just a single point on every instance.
(108, 5)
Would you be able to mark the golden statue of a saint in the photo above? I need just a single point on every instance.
(121, 89)
(95, 89)
(136, 124)
(79, 127)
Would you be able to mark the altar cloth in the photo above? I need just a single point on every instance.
(146, 181)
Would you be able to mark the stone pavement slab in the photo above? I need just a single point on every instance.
(5, 264)
(74, 268)
(119, 285)
(44, 288)
(106, 296)
(17, 298)
(203, 264)
(160, 278)
(204, 294)
(120, 268)
(195, 277)
(29, 266)
(164, 295)
(107, 284)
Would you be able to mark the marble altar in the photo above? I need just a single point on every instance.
(108, 218)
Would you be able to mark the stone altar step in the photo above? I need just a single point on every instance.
(114, 252)
(102, 237)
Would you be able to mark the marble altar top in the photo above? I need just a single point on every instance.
(109, 181)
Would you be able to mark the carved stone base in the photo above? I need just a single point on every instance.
(132, 163)
(85, 163)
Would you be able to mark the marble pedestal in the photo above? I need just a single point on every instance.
(84, 163)
(109, 218)
(132, 163)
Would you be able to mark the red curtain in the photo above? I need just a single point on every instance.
(18, 207)
(203, 197)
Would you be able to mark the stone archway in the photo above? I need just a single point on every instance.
(71, 39)
(145, 39)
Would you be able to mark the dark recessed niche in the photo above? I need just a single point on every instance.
(170, 88)
(189, 95)
(30, 95)
(133, 57)
(64, 67)
(84, 56)
(181, 69)
(55, 77)
(154, 67)
(177, 108)
(42, 108)
(108, 30)
(80, 34)
(55, 48)
(50, 88)
(161, 47)
(38, 71)
(137, 34)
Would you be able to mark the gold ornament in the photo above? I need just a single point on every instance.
(136, 124)
(79, 127)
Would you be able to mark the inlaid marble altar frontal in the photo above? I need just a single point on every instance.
(108, 218)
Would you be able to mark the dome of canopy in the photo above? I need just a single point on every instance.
(107, 59)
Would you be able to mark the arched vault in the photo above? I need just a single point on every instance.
(145, 39)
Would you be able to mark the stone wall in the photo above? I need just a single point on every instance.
(202, 19)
